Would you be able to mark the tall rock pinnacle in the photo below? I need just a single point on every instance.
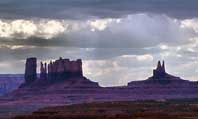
(163, 66)
(43, 71)
(30, 70)
(159, 65)
(159, 72)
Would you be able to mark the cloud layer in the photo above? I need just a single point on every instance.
(132, 31)
(119, 41)
(23, 29)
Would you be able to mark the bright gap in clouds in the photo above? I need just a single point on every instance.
(119, 70)
(31, 28)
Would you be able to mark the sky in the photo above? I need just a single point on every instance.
(118, 40)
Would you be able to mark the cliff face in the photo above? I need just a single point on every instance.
(43, 71)
(60, 70)
(30, 70)
(64, 68)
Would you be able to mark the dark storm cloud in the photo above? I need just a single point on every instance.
(75, 9)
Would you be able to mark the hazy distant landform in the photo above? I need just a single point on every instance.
(10, 82)
(61, 82)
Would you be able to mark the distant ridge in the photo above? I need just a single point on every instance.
(160, 76)
(10, 82)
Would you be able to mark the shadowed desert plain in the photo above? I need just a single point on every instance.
(175, 109)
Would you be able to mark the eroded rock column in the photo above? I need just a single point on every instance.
(30, 70)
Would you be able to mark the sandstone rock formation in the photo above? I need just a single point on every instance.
(72, 87)
(161, 75)
(43, 71)
(64, 68)
(159, 72)
(161, 78)
(56, 71)
(30, 70)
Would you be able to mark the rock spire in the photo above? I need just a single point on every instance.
(160, 71)
(30, 70)
(43, 71)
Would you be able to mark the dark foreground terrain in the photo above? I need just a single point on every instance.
(172, 109)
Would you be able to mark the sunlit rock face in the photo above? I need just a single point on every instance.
(58, 71)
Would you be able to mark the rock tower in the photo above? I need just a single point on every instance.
(43, 71)
(55, 71)
(30, 70)
(160, 71)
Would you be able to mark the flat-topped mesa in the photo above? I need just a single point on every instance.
(55, 71)
(160, 71)
(62, 69)
(30, 70)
